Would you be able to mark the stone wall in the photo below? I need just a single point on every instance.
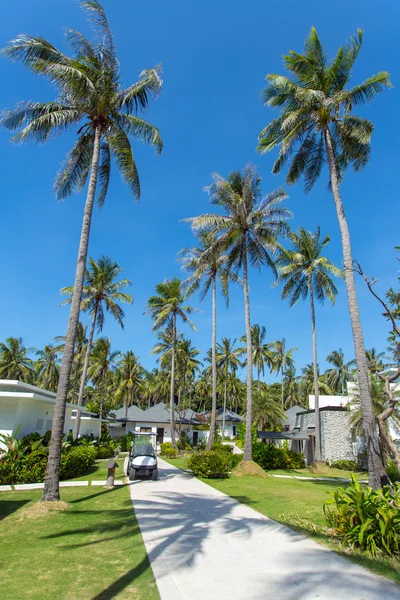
(336, 442)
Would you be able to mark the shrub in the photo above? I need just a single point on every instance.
(344, 465)
(217, 447)
(105, 451)
(392, 472)
(210, 464)
(77, 461)
(366, 518)
(269, 456)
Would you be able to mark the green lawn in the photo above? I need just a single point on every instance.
(92, 551)
(99, 471)
(297, 504)
(326, 472)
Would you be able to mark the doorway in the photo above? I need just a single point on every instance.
(160, 435)
(195, 438)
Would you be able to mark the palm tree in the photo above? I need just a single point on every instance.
(205, 272)
(14, 360)
(227, 360)
(88, 89)
(100, 291)
(282, 361)
(79, 356)
(303, 271)
(249, 232)
(307, 382)
(341, 372)
(317, 125)
(375, 360)
(48, 367)
(164, 309)
(102, 362)
(268, 413)
(261, 352)
(291, 388)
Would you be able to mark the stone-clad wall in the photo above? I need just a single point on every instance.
(336, 441)
(305, 420)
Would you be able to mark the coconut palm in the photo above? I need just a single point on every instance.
(282, 360)
(79, 357)
(303, 271)
(207, 264)
(91, 99)
(165, 308)
(203, 389)
(102, 362)
(48, 367)
(307, 383)
(130, 376)
(291, 388)
(100, 292)
(14, 360)
(261, 352)
(341, 371)
(248, 231)
(268, 413)
(187, 365)
(375, 360)
(227, 361)
(317, 126)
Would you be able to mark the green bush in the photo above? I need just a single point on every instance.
(77, 461)
(217, 447)
(210, 464)
(392, 472)
(269, 456)
(105, 451)
(365, 518)
(344, 465)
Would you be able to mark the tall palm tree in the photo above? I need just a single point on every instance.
(227, 360)
(307, 381)
(317, 126)
(100, 292)
(261, 351)
(203, 389)
(14, 360)
(303, 271)
(79, 357)
(268, 413)
(164, 309)
(89, 90)
(341, 371)
(282, 361)
(375, 360)
(48, 367)
(102, 362)
(248, 230)
(187, 365)
(204, 273)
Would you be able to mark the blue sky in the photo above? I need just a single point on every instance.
(215, 56)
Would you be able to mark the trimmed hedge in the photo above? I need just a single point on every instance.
(32, 468)
(344, 465)
(210, 464)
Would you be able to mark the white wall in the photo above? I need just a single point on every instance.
(88, 426)
(328, 401)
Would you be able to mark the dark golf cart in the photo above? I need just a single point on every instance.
(142, 458)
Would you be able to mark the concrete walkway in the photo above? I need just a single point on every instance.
(203, 545)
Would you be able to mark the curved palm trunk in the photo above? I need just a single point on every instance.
(248, 446)
(376, 472)
(171, 398)
(317, 457)
(282, 386)
(84, 376)
(213, 365)
(51, 486)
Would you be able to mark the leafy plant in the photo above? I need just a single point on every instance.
(366, 518)
(344, 465)
(210, 464)
(269, 456)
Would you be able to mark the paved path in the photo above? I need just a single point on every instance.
(203, 545)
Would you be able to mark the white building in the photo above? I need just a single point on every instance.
(28, 409)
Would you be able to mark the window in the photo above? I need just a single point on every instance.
(145, 429)
(39, 424)
(49, 423)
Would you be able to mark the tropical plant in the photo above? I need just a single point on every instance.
(375, 360)
(207, 263)
(261, 351)
(79, 357)
(227, 360)
(307, 381)
(268, 413)
(48, 367)
(100, 292)
(303, 271)
(317, 125)
(341, 371)
(282, 360)
(130, 376)
(14, 360)
(164, 309)
(88, 89)
(102, 362)
(248, 231)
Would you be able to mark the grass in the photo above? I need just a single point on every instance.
(323, 472)
(297, 504)
(91, 551)
(99, 471)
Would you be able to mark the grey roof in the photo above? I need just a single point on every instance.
(284, 435)
(291, 412)
(159, 413)
(229, 415)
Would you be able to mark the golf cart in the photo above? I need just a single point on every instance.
(142, 458)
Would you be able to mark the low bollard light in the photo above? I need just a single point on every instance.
(111, 466)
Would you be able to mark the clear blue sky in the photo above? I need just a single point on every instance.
(215, 56)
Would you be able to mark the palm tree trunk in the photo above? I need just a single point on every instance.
(282, 387)
(171, 398)
(376, 472)
(258, 378)
(84, 375)
(248, 445)
(317, 457)
(51, 490)
(213, 365)
(224, 409)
